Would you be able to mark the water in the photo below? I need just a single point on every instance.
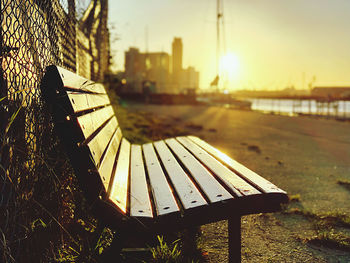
(339, 108)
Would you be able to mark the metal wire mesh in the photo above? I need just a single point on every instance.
(33, 35)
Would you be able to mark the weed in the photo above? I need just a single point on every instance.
(38, 222)
(104, 241)
(164, 253)
(294, 198)
(14, 93)
(66, 254)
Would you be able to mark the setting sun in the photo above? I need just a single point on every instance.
(229, 67)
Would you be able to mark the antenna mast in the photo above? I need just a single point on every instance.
(219, 26)
(218, 16)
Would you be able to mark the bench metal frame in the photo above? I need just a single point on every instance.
(153, 188)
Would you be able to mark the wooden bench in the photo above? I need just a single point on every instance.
(156, 187)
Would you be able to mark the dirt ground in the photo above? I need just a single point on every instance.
(304, 156)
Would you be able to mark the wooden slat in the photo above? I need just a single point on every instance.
(82, 101)
(107, 163)
(92, 121)
(207, 182)
(140, 202)
(93, 87)
(255, 179)
(188, 193)
(232, 180)
(74, 81)
(163, 197)
(119, 188)
(99, 143)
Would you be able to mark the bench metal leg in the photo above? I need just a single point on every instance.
(234, 239)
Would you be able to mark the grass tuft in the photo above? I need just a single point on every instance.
(164, 253)
(294, 198)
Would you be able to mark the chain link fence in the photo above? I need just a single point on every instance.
(34, 174)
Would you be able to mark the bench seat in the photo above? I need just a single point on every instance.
(156, 187)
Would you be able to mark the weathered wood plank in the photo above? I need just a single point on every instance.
(232, 180)
(189, 195)
(108, 160)
(163, 197)
(92, 121)
(74, 81)
(119, 188)
(99, 143)
(207, 182)
(82, 101)
(255, 179)
(140, 203)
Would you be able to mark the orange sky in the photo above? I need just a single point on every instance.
(276, 42)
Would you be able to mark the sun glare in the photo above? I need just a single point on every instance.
(229, 66)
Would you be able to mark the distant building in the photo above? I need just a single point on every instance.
(158, 70)
(189, 79)
(177, 52)
(135, 69)
(153, 66)
(156, 67)
(331, 92)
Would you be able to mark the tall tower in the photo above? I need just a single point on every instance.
(177, 60)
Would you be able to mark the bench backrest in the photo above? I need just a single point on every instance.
(85, 119)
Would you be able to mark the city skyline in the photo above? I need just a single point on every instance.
(159, 71)
(275, 44)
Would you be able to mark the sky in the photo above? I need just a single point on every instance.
(273, 44)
